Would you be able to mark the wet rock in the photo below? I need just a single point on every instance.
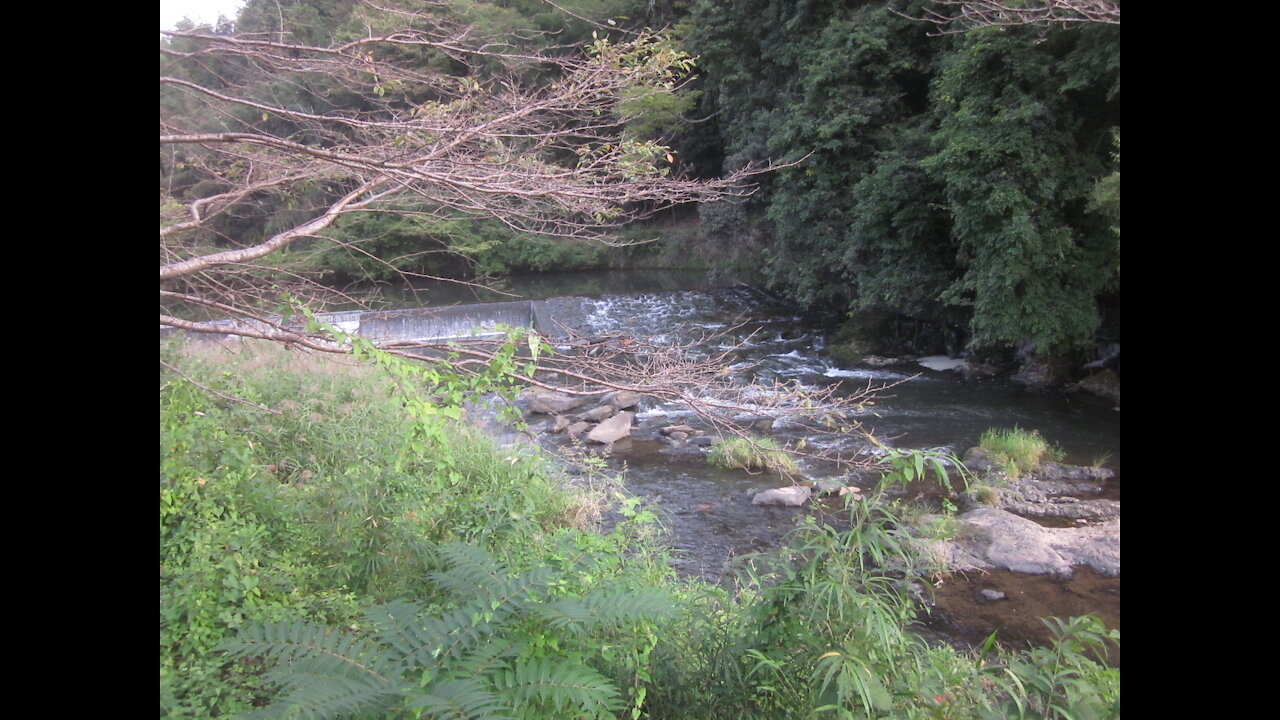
(978, 370)
(793, 496)
(703, 441)
(753, 422)
(941, 362)
(992, 595)
(677, 428)
(999, 539)
(622, 399)
(549, 402)
(979, 461)
(1103, 384)
(1065, 509)
(596, 414)
(1050, 471)
(1040, 370)
(613, 429)
(678, 436)
(829, 487)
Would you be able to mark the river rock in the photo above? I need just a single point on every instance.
(978, 370)
(978, 461)
(1040, 370)
(941, 362)
(598, 413)
(577, 428)
(613, 429)
(550, 402)
(999, 539)
(992, 595)
(686, 429)
(829, 487)
(793, 496)
(622, 399)
(1103, 384)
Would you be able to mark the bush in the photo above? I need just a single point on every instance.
(752, 454)
(1017, 450)
(300, 532)
(321, 507)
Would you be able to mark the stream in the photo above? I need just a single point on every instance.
(708, 512)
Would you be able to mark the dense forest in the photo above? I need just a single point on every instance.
(964, 179)
(967, 178)
(334, 543)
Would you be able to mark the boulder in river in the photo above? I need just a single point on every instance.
(793, 496)
(613, 429)
(553, 403)
(998, 539)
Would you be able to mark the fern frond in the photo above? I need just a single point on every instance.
(560, 684)
(476, 579)
(327, 696)
(472, 572)
(324, 672)
(314, 648)
(450, 636)
(460, 700)
(605, 609)
(490, 657)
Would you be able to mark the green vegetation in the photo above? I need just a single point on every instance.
(752, 454)
(971, 180)
(1017, 451)
(335, 539)
(355, 530)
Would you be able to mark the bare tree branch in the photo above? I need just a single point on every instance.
(301, 136)
(959, 16)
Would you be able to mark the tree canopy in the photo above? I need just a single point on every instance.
(269, 138)
(964, 178)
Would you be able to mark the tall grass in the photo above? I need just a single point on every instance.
(752, 454)
(320, 512)
(1018, 451)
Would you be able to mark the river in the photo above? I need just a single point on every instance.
(707, 510)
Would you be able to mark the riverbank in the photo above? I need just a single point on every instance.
(319, 496)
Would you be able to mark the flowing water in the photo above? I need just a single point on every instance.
(708, 510)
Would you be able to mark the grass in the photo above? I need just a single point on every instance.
(1018, 451)
(986, 494)
(752, 454)
(323, 510)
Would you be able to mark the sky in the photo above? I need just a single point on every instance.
(171, 11)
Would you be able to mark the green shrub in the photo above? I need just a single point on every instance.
(320, 507)
(299, 532)
(507, 644)
(752, 454)
(1017, 451)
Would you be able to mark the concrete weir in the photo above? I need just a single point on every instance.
(423, 324)
(442, 323)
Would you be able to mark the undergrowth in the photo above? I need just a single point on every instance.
(354, 529)
(761, 453)
(1018, 451)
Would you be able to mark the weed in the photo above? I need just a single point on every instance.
(1018, 451)
(752, 454)
(986, 494)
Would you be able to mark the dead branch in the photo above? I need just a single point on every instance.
(306, 135)
(960, 16)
